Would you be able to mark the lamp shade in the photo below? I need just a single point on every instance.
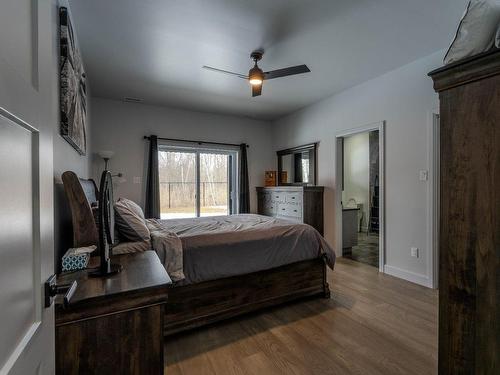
(106, 154)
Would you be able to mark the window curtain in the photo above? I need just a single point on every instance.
(244, 196)
(152, 206)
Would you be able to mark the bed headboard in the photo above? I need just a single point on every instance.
(82, 197)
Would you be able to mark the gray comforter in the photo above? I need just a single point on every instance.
(209, 248)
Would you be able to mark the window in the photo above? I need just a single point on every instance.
(197, 181)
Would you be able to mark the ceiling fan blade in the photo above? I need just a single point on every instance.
(224, 71)
(299, 69)
(256, 90)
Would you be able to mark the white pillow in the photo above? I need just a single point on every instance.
(476, 31)
(130, 222)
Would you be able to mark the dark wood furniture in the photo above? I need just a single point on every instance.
(303, 204)
(83, 200)
(469, 264)
(113, 325)
(196, 305)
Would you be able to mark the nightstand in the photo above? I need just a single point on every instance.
(114, 325)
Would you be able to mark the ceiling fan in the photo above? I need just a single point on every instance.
(256, 76)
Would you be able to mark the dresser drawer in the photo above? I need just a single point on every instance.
(278, 197)
(290, 210)
(294, 198)
(269, 209)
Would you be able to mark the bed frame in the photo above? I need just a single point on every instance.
(196, 305)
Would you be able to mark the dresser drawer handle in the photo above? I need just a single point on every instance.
(294, 210)
(283, 209)
(293, 197)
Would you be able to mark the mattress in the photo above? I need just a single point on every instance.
(223, 246)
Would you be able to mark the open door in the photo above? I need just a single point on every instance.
(28, 119)
(26, 329)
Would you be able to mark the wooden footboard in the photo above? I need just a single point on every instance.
(196, 305)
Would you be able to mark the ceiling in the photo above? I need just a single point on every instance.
(154, 49)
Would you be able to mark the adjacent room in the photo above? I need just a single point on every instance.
(249, 187)
(361, 197)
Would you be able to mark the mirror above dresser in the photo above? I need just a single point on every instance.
(297, 165)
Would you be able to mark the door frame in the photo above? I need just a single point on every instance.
(380, 126)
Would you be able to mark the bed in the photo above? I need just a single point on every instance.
(229, 265)
(240, 263)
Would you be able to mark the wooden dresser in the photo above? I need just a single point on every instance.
(303, 204)
(469, 245)
(114, 325)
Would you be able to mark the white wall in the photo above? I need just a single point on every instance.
(66, 158)
(403, 98)
(120, 127)
(357, 171)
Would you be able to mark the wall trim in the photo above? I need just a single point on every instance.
(413, 277)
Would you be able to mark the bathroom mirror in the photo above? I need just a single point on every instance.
(297, 165)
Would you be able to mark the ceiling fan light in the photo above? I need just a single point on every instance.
(255, 81)
(255, 76)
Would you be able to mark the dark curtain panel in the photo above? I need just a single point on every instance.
(244, 200)
(152, 207)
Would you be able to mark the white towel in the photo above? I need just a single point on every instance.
(82, 250)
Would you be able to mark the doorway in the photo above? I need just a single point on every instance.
(359, 171)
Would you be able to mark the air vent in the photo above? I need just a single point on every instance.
(132, 100)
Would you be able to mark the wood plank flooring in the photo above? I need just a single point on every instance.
(373, 324)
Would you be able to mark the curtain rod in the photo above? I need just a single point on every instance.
(198, 142)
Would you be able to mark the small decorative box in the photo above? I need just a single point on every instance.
(76, 258)
(270, 178)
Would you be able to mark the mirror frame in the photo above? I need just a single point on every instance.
(313, 167)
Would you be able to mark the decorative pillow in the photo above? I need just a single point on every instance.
(476, 31)
(130, 221)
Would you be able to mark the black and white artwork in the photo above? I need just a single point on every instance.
(73, 90)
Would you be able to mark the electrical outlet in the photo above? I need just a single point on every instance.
(414, 252)
(424, 175)
(137, 180)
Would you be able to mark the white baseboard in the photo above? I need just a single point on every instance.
(408, 276)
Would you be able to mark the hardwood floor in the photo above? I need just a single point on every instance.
(373, 324)
(366, 251)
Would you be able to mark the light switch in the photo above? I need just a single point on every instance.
(137, 180)
(414, 252)
(424, 175)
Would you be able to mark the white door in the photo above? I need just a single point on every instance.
(28, 119)
(22, 347)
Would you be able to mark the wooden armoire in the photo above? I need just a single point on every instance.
(469, 244)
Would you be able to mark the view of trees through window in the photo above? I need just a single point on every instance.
(178, 185)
